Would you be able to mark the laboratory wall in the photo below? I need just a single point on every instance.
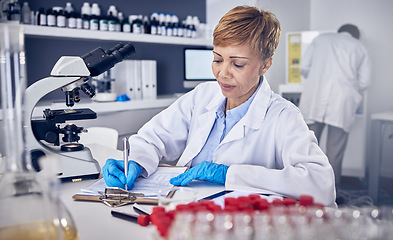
(43, 53)
(374, 18)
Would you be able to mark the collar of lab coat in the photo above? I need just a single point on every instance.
(253, 120)
(258, 108)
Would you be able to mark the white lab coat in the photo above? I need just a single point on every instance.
(337, 68)
(270, 148)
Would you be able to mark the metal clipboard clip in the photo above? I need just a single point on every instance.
(115, 197)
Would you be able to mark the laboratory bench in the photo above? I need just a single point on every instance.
(93, 220)
(378, 120)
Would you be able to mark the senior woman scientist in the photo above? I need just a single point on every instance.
(235, 131)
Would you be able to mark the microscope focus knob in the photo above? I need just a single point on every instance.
(51, 137)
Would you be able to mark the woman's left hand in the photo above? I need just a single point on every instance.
(206, 171)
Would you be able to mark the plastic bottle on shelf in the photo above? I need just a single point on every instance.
(175, 24)
(14, 10)
(50, 18)
(69, 8)
(55, 13)
(60, 16)
(181, 29)
(194, 26)
(95, 17)
(146, 25)
(41, 17)
(70, 15)
(103, 26)
(112, 18)
(79, 21)
(168, 25)
(188, 27)
(117, 23)
(126, 25)
(119, 27)
(86, 11)
(137, 26)
(154, 23)
(71, 19)
(162, 27)
(26, 13)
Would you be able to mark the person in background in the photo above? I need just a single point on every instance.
(234, 131)
(337, 70)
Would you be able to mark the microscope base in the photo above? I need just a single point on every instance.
(78, 166)
(71, 166)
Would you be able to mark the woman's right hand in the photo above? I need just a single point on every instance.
(113, 172)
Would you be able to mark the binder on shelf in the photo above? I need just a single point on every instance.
(136, 81)
(149, 79)
(153, 77)
(136, 78)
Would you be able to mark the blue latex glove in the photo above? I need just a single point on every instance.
(114, 176)
(123, 98)
(206, 171)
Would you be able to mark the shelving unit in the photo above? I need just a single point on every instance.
(64, 33)
(84, 34)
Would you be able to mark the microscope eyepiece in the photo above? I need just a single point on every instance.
(99, 61)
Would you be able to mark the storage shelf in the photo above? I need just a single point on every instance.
(84, 34)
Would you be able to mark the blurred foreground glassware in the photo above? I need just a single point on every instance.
(29, 203)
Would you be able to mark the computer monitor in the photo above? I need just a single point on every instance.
(197, 66)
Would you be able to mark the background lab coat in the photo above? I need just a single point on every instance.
(270, 148)
(337, 68)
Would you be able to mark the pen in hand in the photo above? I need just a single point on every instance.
(126, 152)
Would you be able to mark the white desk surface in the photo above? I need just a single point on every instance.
(384, 116)
(93, 220)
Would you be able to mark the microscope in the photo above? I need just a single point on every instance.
(70, 74)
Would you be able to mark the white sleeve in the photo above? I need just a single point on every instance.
(302, 166)
(364, 71)
(306, 60)
(164, 137)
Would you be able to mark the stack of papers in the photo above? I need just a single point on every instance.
(148, 186)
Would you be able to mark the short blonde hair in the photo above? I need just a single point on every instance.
(244, 24)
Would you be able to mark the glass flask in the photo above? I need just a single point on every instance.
(29, 204)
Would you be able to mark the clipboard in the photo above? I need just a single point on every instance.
(115, 197)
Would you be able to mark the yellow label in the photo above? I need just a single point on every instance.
(294, 57)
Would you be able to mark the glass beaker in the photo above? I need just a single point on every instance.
(29, 203)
